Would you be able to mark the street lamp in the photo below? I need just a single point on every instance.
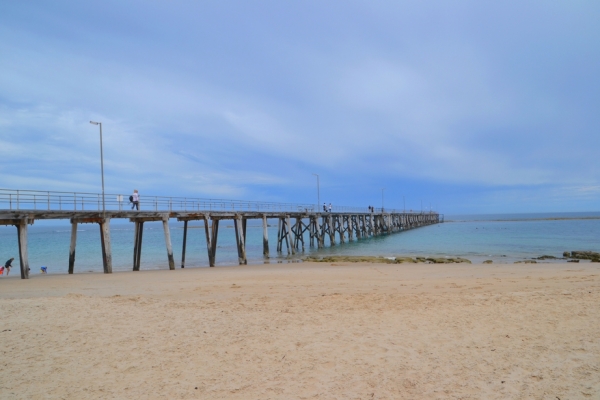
(382, 189)
(101, 164)
(403, 204)
(318, 192)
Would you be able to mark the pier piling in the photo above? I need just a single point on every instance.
(170, 258)
(72, 246)
(23, 251)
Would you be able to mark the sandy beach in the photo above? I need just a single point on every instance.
(306, 330)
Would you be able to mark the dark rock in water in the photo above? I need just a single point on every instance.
(572, 260)
(488, 262)
(596, 260)
(526, 262)
(545, 257)
(584, 255)
(566, 254)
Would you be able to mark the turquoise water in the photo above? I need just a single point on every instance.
(503, 238)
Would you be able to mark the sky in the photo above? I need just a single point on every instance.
(458, 106)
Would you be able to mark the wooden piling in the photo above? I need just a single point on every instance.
(289, 235)
(279, 238)
(23, 251)
(265, 236)
(239, 238)
(106, 246)
(331, 230)
(185, 227)
(165, 222)
(72, 247)
(137, 244)
(213, 242)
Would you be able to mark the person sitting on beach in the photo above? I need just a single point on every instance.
(8, 265)
(44, 270)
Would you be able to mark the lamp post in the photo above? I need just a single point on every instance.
(101, 164)
(318, 193)
(403, 204)
(382, 189)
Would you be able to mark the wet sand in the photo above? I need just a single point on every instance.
(309, 330)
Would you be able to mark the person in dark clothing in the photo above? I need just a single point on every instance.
(8, 265)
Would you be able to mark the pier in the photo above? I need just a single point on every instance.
(296, 222)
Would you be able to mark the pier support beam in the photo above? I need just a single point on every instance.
(331, 230)
(240, 239)
(211, 240)
(106, 247)
(185, 224)
(289, 242)
(72, 247)
(265, 236)
(165, 222)
(23, 252)
(137, 244)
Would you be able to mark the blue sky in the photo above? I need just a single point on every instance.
(469, 106)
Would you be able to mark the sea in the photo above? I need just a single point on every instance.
(502, 238)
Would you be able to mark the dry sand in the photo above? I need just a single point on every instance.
(297, 331)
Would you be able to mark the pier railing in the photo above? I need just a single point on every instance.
(11, 199)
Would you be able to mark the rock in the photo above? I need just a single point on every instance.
(488, 262)
(584, 255)
(576, 261)
(545, 257)
(566, 254)
(526, 262)
(596, 260)
(402, 260)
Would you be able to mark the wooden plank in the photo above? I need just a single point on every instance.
(23, 250)
(72, 246)
(168, 243)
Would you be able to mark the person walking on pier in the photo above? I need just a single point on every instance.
(324, 207)
(8, 265)
(329, 207)
(135, 200)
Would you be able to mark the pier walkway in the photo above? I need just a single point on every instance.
(296, 222)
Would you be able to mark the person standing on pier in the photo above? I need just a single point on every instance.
(8, 265)
(324, 207)
(329, 207)
(135, 200)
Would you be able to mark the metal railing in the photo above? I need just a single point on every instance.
(11, 199)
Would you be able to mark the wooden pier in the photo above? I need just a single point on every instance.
(293, 227)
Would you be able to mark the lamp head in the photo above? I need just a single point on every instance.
(94, 123)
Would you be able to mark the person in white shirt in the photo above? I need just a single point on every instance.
(136, 200)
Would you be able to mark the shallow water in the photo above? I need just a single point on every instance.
(501, 238)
